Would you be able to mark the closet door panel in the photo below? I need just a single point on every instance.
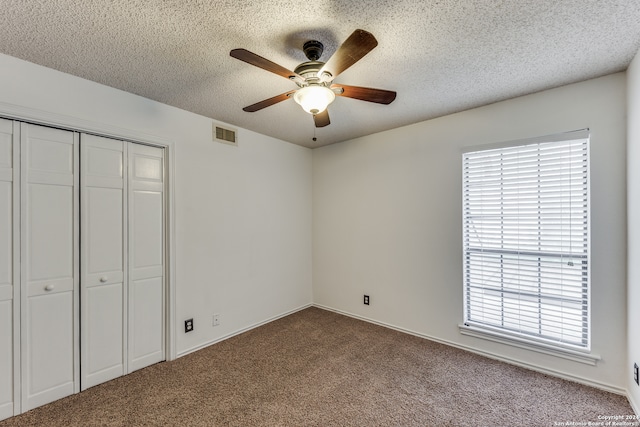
(49, 264)
(147, 316)
(7, 186)
(6, 233)
(147, 233)
(104, 228)
(50, 343)
(50, 239)
(6, 202)
(146, 256)
(6, 354)
(103, 260)
(104, 358)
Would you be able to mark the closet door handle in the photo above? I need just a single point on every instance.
(49, 288)
(103, 279)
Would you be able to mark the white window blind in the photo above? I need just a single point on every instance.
(526, 240)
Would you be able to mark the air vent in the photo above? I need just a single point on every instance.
(224, 135)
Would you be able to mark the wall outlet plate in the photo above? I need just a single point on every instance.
(216, 320)
(188, 325)
(366, 300)
(636, 378)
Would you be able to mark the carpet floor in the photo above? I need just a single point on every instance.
(319, 368)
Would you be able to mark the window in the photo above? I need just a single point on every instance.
(526, 240)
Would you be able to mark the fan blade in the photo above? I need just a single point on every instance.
(379, 96)
(265, 64)
(359, 43)
(322, 119)
(268, 102)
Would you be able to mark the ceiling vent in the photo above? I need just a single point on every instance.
(225, 135)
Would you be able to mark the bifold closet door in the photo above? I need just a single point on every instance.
(49, 264)
(8, 189)
(122, 258)
(102, 283)
(146, 256)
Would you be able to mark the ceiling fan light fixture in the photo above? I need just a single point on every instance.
(314, 99)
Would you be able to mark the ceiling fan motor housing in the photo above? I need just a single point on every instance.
(313, 50)
(309, 70)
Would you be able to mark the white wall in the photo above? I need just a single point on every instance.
(633, 213)
(387, 220)
(243, 214)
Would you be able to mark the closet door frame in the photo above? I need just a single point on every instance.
(61, 121)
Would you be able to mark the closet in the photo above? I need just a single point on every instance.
(82, 288)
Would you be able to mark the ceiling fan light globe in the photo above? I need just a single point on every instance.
(314, 99)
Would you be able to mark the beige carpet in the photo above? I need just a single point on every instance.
(318, 368)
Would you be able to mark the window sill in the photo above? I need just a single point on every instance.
(576, 356)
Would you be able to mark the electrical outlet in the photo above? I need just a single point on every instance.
(188, 325)
(216, 320)
(635, 373)
(366, 300)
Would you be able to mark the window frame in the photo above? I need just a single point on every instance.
(580, 353)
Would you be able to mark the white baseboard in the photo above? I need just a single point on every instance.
(491, 355)
(633, 405)
(242, 330)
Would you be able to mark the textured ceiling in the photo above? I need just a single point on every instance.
(440, 56)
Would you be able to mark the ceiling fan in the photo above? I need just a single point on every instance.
(314, 78)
